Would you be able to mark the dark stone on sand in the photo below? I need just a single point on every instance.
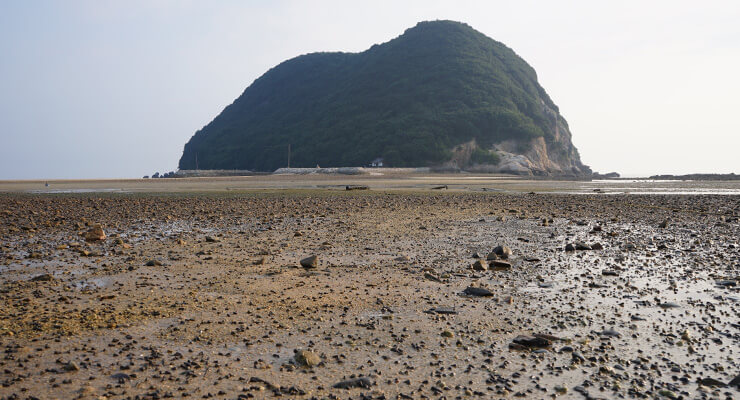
(476, 291)
(609, 272)
(310, 262)
(71, 367)
(532, 341)
(361, 382)
(735, 382)
(211, 239)
(669, 305)
(153, 263)
(610, 333)
(42, 278)
(356, 187)
(500, 265)
(582, 246)
(441, 310)
(711, 382)
(121, 377)
(577, 357)
(502, 251)
(597, 246)
(480, 265)
(570, 247)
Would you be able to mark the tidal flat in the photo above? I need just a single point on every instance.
(412, 294)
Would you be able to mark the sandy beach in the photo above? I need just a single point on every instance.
(516, 291)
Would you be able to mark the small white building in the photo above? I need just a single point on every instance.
(377, 163)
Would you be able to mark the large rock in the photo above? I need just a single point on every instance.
(306, 358)
(310, 262)
(95, 234)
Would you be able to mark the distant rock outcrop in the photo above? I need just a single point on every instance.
(441, 95)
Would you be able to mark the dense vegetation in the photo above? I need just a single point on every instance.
(408, 101)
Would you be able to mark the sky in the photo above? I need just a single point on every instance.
(114, 89)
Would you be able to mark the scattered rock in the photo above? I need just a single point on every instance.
(502, 251)
(499, 265)
(121, 377)
(441, 310)
(71, 367)
(610, 333)
(361, 382)
(480, 265)
(478, 292)
(95, 234)
(532, 341)
(42, 278)
(306, 358)
(711, 382)
(310, 262)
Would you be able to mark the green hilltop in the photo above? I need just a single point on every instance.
(416, 100)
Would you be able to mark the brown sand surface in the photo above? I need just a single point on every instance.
(202, 295)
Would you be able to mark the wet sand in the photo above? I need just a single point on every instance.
(381, 180)
(202, 295)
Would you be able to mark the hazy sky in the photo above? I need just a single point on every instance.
(105, 89)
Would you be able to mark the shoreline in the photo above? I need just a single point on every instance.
(204, 293)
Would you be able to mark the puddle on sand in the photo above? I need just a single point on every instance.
(60, 191)
(92, 283)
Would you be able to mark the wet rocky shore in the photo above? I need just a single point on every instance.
(369, 295)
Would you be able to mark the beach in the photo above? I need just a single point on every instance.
(421, 287)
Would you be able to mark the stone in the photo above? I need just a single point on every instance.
(532, 341)
(502, 251)
(478, 292)
(500, 265)
(153, 263)
(441, 310)
(361, 382)
(211, 239)
(95, 234)
(610, 333)
(711, 382)
(569, 247)
(42, 278)
(306, 358)
(310, 262)
(121, 377)
(582, 246)
(480, 265)
(71, 367)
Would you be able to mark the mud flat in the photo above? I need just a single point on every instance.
(413, 294)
